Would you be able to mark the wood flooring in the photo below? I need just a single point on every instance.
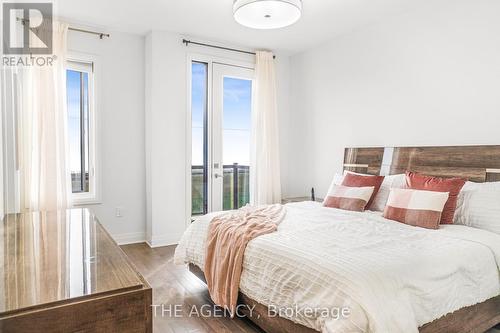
(180, 299)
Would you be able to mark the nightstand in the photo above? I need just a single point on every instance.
(298, 199)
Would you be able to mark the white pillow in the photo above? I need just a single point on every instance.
(478, 206)
(338, 178)
(390, 182)
(380, 200)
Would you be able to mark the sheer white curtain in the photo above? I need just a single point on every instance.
(265, 183)
(45, 182)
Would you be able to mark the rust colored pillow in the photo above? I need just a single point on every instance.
(414, 207)
(354, 180)
(348, 198)
(453, 186)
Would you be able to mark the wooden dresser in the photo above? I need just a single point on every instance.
(62, 272)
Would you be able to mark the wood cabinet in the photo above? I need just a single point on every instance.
(62, 272)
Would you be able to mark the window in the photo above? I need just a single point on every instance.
(79, 91)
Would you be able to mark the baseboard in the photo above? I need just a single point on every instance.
(130, 238)
(140, 237)
(163, 240)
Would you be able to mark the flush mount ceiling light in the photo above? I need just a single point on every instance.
(267, 14)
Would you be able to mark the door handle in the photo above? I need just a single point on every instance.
(217, 175)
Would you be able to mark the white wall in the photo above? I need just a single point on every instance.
(165, 137)
(167, 129)
(429, 77)
(120, 110)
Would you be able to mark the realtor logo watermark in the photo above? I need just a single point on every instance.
(243, 310)
(27, 33)
(203, 311)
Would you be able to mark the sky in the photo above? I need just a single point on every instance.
(237, 105)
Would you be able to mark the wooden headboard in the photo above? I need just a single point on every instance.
(476, 163)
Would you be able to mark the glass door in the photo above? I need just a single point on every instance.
(221, 104)
(231, 124)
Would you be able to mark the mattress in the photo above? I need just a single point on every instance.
(381, 275)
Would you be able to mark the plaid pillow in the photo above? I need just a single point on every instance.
(415, 207)
(348, 198)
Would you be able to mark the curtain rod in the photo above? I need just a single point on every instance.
(187, 42)
(100, 34)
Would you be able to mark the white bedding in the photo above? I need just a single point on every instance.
(392, 277)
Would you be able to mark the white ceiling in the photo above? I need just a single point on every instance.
(213, 19)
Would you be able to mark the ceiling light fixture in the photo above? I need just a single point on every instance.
(267, 14)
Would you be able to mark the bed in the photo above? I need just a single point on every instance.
(390, 276)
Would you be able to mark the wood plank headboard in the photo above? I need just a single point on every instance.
(476, 163)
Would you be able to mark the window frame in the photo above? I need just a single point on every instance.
(89, 64)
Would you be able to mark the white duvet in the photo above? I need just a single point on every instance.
(392, 277)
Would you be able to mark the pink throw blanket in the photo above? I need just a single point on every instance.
(228, 236)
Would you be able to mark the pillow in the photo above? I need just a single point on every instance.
(392, 181)
(478, 206)
(348, 198)
(451, 185)
(354, 180)
(338, 178)
(414, 207)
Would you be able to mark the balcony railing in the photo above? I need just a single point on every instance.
(78, 183)
(236, 193)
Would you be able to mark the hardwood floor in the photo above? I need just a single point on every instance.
(177, 293)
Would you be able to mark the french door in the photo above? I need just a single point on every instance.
(221, 104)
